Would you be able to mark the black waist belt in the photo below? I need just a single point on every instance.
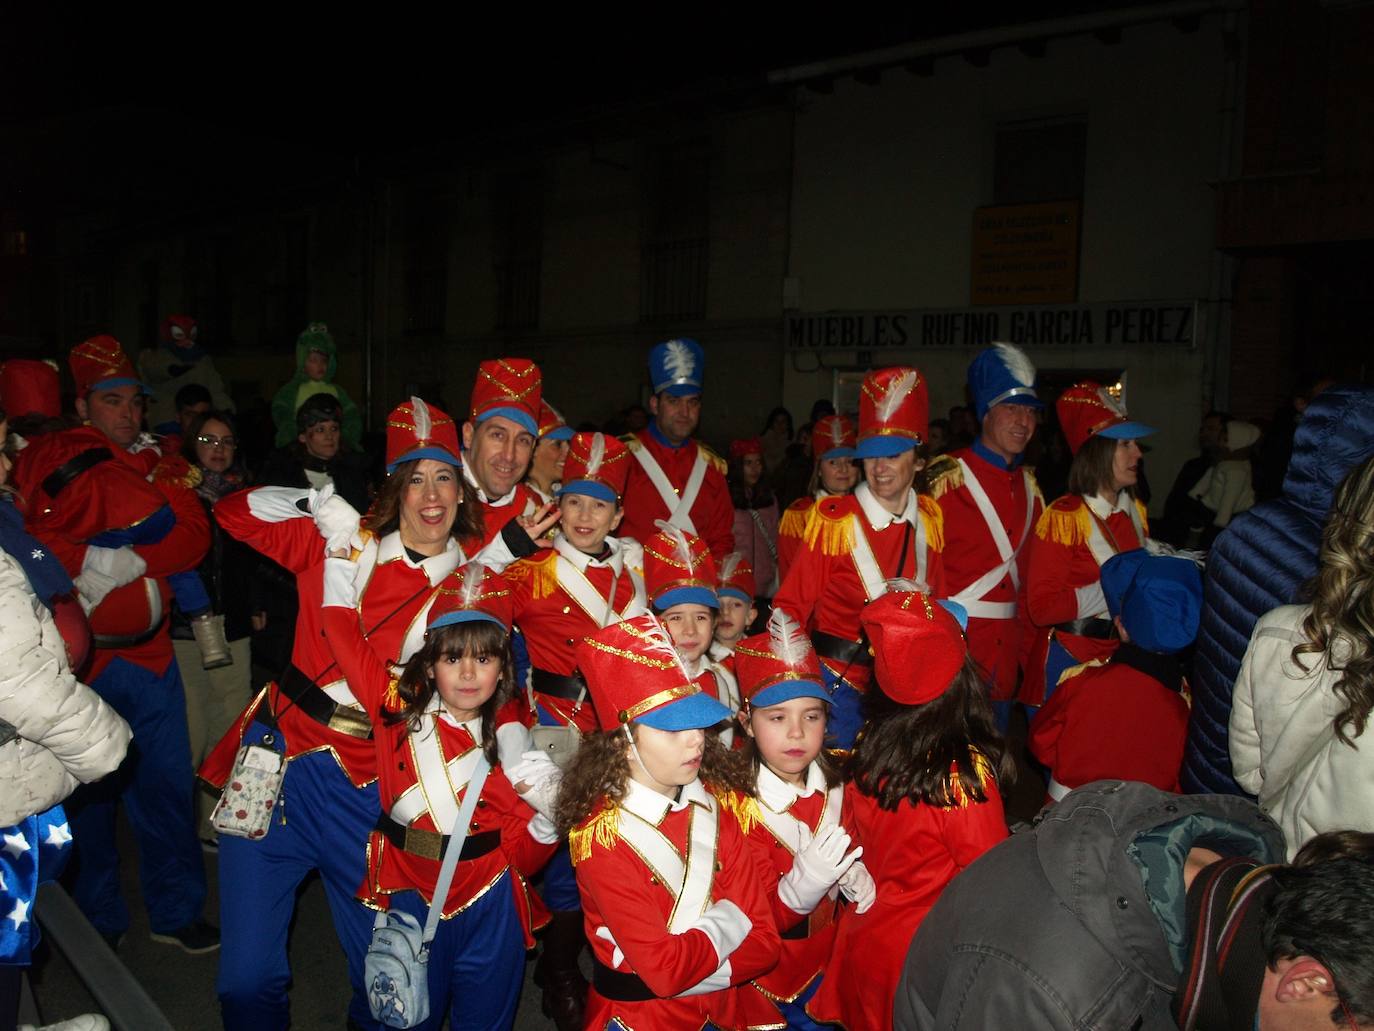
(56, 480)
(556, 684)
(839, 649)
(312, 701)
(431, 844)
(1098, 628)
(618, 986)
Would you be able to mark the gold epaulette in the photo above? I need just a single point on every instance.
(793, 521)
(601, 828)
(829, 528)
(1067, 521)
(541, 571)
(744, 808)
(934, 518)
(942, 475)
(631, 441)
(712, 458)
(176, 470)
(1144, 517)
(1035, 486)
(1082, 667)
(986, 777)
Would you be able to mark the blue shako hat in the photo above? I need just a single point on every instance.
(677, 366)
(1002, 374)
(1158, 597)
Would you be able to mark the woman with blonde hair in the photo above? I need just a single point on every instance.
(1306, 687)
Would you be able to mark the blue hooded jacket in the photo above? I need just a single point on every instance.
(1261, 561)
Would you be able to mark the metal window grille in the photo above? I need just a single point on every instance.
(676, 250)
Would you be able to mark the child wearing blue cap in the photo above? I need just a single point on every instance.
(1127, 718)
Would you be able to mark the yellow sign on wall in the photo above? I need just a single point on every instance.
(1026, 253)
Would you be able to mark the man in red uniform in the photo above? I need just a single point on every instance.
(990, 505)
(855, 544)
(499, 438)
(134, 668)
(674, 477)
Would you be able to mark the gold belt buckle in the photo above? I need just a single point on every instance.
(350, 721)
(423, 843)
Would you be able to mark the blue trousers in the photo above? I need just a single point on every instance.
(155, 783)
(846, 710)
(322, 824)
(795, 1014)
(476, 962)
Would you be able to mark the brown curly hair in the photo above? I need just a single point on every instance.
(600, 773)
(1342, 595)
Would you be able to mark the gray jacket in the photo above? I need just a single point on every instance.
(1078, 923)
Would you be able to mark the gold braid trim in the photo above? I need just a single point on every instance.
(601, 828)
(712, 459)
(942, 476)
(176, 470)
(1067, 524)
(986, 776)
(744, 808)
(934, 517)
(631, 442)
(793, 521)
(1035, 486)
(541, 571)
(832, 535)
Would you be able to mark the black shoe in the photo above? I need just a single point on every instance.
(197, 937)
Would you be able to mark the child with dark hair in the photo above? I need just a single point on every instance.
(674, 908)
(430, 730)
(924, 793)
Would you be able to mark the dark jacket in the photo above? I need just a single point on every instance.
(227, 571)
(1054, 927)
(1261, 561)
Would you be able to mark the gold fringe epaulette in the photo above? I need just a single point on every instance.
(793, 521)
(829, 528)
(944, 474)
(934, 517)
(986, 777)
(715, 461)
(631, 441)
(1073, 671)
(176, 470)
(1035, 487)
(1067, 522)
(744, 808)
(601, 828)
(1144, 516)
(391, 697)
(540, 570)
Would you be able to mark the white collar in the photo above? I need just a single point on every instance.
(719, 652)
(436, 567)
(778, 795)
(650, 806)
(1103, 509)
(500, 502)
(544, 499)
(695, 667)
(880, 518)
(581, 560)
(435, 705)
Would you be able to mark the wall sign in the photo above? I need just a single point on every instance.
(1025, 254)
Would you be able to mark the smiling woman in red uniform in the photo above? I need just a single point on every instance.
(855, 544)
(1098, 518)
(835, 472)
(924, 797)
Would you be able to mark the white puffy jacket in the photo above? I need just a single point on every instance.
(1283, 741)
(67, 732)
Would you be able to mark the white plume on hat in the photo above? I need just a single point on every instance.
(597, 454)
(678, 359)
(684, 550)
(1017, 363)
(787, 640)
(896, 391)
(419, 411)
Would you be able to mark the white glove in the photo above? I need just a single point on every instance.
(726, 925)
(337, 520)
(104, 569)
(512, 741)
(818, 866)
(542, 777)
(857, 885)
(617, 957)
(542, 829)
(717, 981)
(339, 590)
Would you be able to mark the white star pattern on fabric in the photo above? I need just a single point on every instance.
(15, 845)
(36, 553)
(3, 885)
(19, 914)
(59, 835)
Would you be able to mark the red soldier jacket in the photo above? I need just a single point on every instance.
(1126, 719)
(646, 868)
(692, 470)
(990, 512)
(912, 853)
(1063, 580)
(422, 777)
(792, 530)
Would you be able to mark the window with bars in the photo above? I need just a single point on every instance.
(426, 262)
(517, 247)
(675, 243)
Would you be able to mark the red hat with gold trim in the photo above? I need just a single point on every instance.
(736, 578)
(552, 425)
(833, 436)
(678, 569)
(779, 665)
(1089, 410)
(509, 387)
(748, 446)
(635, 675)
(415, 429)
(894, 412)
(597, 465)
(29, 386)
(470, 593)
(101, 364)
(918, 645)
